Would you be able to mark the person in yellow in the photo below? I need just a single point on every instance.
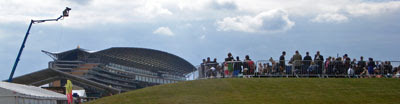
(68, 92)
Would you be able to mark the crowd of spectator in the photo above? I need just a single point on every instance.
(298, 66)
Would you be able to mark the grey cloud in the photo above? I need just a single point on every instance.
(277, 21)
(228, 5)
(81, 2)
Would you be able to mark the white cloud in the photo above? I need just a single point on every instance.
(223, 4)
(95, 12)
(82, 14)
(330, 18)
(192, 5)
(163, 31)
(152, 10)
(270, 21)
(361, 9)
(356, 10)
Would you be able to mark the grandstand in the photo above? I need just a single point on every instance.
(110, 71)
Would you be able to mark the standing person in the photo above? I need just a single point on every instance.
(350, 72)
(266, 68)
(379, 68)
(339, 65)
(215, 60)
(208, 68)
(229, 58)
(203, 69)
(297, 60)
(327, 69)
(347, 61)
(248, 65)
(215, 70)
(260, 69)
(388, 69)
(237, 67)
(319, 59)
(306, 61)
(227, 64)
(230, 67)
(282, 65)
(371, 66)
(353, 63)
(361, 66)
(274, 67)
(226, 72)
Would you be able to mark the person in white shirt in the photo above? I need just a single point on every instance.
(350, 72)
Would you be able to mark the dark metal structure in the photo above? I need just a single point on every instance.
(112, 70)
(49, 75)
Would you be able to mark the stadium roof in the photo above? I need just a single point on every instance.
(136, 57)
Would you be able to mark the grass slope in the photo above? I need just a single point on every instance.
(265, 90)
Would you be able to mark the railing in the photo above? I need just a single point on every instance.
(301, 68)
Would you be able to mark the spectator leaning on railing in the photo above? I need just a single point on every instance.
(347, 61)
(319, 59)
(327, 63)
(266, 69)
(260, 69)
(371, 66)
(296, 59)
(379, 68)
(387, 69)
(361, 66)
(228, 65)
(237, 67)
(306, 61)
(248, 66)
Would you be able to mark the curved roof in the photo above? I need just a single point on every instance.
(149, 58)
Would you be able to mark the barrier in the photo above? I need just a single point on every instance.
(301, 68)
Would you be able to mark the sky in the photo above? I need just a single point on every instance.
(197, 29)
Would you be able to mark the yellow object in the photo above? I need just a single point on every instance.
(68, 87)
(68, 91)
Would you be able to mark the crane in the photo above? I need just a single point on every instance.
(65, 13)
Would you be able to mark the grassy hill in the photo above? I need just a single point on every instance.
(265, 90)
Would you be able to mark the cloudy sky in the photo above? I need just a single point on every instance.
(196, 29)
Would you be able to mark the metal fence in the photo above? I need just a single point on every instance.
(304, 68)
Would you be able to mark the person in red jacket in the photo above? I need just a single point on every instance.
(249, 65)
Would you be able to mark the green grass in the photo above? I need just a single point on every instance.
(265, 90)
